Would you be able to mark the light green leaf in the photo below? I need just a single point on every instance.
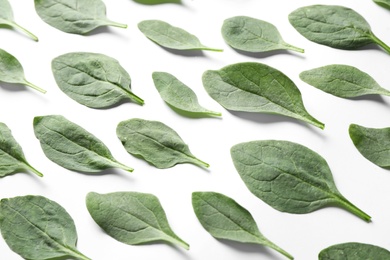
(354, 251)
(383, 3)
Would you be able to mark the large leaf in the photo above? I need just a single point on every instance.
(289, 177)
(354, 251)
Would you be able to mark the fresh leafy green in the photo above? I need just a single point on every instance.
(354, 251)
(383, 3)
(92, 79)
(171, 37)
(334, 26)
(256, 87)
(178, 95)
(12, 159)
(343, 81)
(253, 35)
(11, 71)
(37, 228)
(289, 177)
(72, 147)
(224, 218)
(76, 16)
(7, 18)
(372, 143)
(132, 218)
(156, 143)
(156, 2)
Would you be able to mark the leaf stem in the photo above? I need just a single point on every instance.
(30, 34)
(212, 113)
(181, 243)
(200, 162)
(115, 24)
(34, 86)
(136, 98)
(38, 173)
(293, 48)
(275, 247)
(204, 48)
(122, 166)
(352, 208)
(380, 43)
(79, 255)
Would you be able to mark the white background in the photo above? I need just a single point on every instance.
(210, 139)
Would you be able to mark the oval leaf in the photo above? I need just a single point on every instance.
(77, 16)
(37, 228)
(343, 81)
(253, 35)
(354, 251)
(256, 87)
(72, 147)
(289, 177)
(224, 218)
(156, 143)
(92, 79)
(132, 218)
(383, 3)
(171, 37)
(334, 26)
(178, 95)
(12, 158)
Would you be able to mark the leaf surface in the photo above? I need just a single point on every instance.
(354, 251)
(383, 3)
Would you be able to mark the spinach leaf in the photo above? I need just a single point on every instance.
(343, 81)
(7, 18)
(12, 158)
(37, 228)
(372, 143)
(77, 16)
(334, 26)
(253, 35)
(224, 218)
(156, 143)
(132, 218)
(256, 87)
(92, 79)
(178, 95)
(383, 3)
(11, 71)
(72, 147)
(156, 2)
(171, 37)
(289, 177)
(353, 251)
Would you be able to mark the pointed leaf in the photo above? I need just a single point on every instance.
(289, 177)
(224, 218)
(92, 79)
(253, 35)
(383, 3)
(132, 218)
(156, 143)
(256, 87)
(72, 147)
(354, 251)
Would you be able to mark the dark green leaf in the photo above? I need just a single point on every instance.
(354, 251)
(383, 3)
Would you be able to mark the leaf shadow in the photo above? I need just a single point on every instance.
(373, 98)
(157, 2)
(106, 30)
(119, 103)
(249, 248)
(263, 55)
(193, 115)
(111, 171)
(13, 87)
(185, 53)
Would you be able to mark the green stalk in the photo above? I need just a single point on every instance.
(115, 24)
(38, 173)
(200, 162)
(30, 34)
(380, 43)
(352, 208)
(212, 113)
(293, 48)
(136, 98)
(204, 48)
(275, 247)
(122, 166)
(34, 86)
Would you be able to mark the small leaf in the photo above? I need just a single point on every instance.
(72, 147)
(156, 143)
(12, 159)
(289, 177)
(354, 251)
(178, 95)
(383, 3)
(11, 71)
(171, 37)
(37, 228)
(7, 18)
(224, 218)
(132, 218)
(253, 35)
(343, 81)
(92, 79)
(77, 16)
(256, 87)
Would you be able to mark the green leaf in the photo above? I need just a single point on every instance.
(289, 177)
(76, 16)
(343, 81)
(7, 18)
(92, 79)
(11, 71)
(178, 95)
(256, 87)
(156, 143)
(132, 218)
(171, 37)
(334, 26)
(12, 159)
(224, 218)
(354, 251)
(372, 143)
(37, 228)
(383, 3)
(253, 35)
(72, 147)
(156, 2)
